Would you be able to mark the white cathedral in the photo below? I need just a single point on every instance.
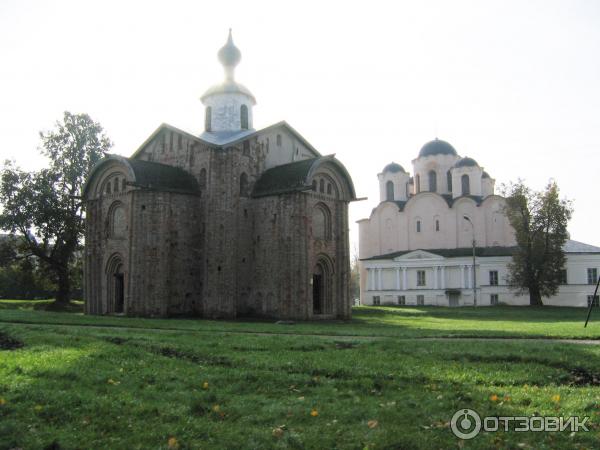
(416, 248)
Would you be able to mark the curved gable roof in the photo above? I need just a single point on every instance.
(147, 175)
(297, 176)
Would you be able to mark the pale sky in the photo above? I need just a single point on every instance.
(513, 84)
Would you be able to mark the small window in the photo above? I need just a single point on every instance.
(420, 278)
(109, 188)
(123, 184)
(314, 185)
(376, 300)
(246, 148)
(466, 188)
(208, 119)
(493, 278)
(432, 181)
(592, 276)
(279, 140)
(449, 180)
(244, 117)
(563, 277)
(389, 191)
(401, 300)
(329, 189)
(418, 226)
(116, 185)
(243, 185)
(322, 186)
(420, 300)
(595, 300)
(437, 225)
(493, 299)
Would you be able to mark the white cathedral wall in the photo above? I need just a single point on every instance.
(440, 164)
(400, 180)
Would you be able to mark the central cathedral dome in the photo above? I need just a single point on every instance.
(437, 147)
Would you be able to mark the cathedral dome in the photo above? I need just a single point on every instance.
(229, 55)
(466, 162)
(437, 147)
(485, 175)
(394, 168)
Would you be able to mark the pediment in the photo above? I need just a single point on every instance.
(418, 254)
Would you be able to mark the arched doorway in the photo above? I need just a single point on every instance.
(115, 285)
(321, 287)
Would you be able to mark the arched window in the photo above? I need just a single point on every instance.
(108, 188)
(243, 185)
(116, 185)
(389, 191)
(208, 119)
(321, 186)
(321, 222)
(329, 190)
(279, 140)
(449, 180)
(123, 184)
(314, 185)
(417, 184)
(437, 225)
(244, 117)
(466, 189)
(432, 181)
(117, 221)
(202, 180)
(418, 226)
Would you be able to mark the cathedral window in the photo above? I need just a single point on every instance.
(116, 185)
(321, 222)
(243, 185)
(244, 117)
(420, 278)
(389, 191)
(418, 226)
(117, 221)
(202, 180)
(108, 188)
(437, 225)
(417, 184)
(329, 189)
(208, 119)
(123, 184)
(449, 180)
(279, 140)
(432, 181)
(321, 186)
(314, 185)
(466, 188)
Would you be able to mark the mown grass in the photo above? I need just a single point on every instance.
(501, 322)
(84, 387)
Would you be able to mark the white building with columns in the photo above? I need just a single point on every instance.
(416, 248)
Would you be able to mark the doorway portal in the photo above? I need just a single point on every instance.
(115, 286)
(119, 291)
(317, 293)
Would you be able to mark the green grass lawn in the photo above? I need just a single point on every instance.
(130, 383)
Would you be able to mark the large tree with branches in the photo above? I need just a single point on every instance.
(540, 222)
(44, 208)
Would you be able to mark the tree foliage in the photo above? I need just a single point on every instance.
(539, 220)
(43, 208)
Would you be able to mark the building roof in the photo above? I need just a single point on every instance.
(569, 247)
(485, 175)
(393, 168)
(466, 162)
(437, 147)
(296, 176)
(148, 175)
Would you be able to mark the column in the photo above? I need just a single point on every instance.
(404, 279)
(462, 277)
(397, 278)
(443, 276)
(379, 285)
(435, 277)
(369, 281)
(470, 276)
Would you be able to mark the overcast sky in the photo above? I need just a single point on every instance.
(513, 84)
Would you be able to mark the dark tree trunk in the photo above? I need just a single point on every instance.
(63, 295)
(535, 297)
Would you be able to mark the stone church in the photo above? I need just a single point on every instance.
(232, 222)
